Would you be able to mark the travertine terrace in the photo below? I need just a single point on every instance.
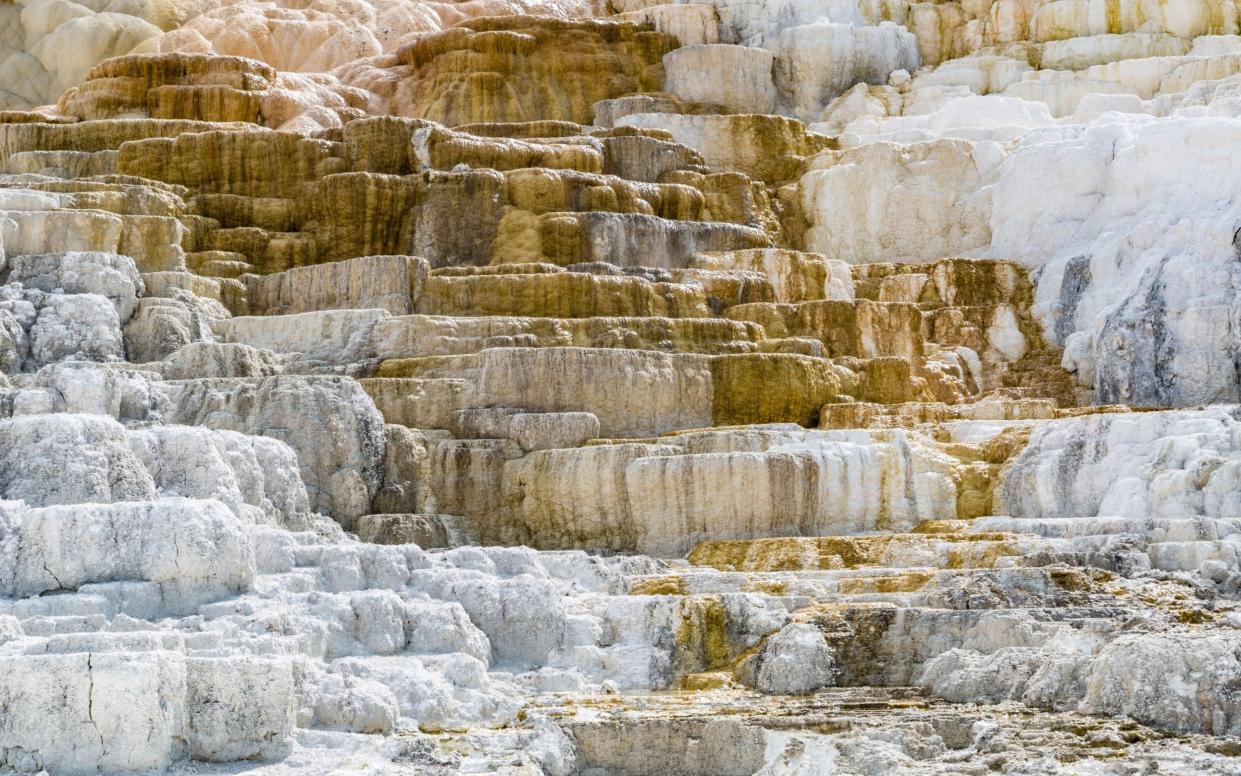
(620, 388)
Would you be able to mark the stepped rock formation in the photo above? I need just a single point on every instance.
(552, 387)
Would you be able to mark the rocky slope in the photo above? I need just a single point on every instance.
(555, 388)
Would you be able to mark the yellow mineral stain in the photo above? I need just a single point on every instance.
(702, 638)
(658, 586)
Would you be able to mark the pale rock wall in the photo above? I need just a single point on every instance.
(219, 359)
(648, 393)
(661, 499)
(193, 551)
(40, 469)
(1165, 464)
(385, 282)
(795, 661)
(256, 477)
(50, 710)
(739, 78)
(816, 63)
(1101, 309)
(82, 711)
(1162, 683)
(329, 422)
(826, 485)
(906, 203)
(329, 337)
(1176, 685)
(1109, 273)
(109, 275)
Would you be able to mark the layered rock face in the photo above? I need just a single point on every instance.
(700, 388)
(49, 45)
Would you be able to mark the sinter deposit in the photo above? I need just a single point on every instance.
(620, 388)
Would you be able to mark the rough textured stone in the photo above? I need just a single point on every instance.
(538, 386)
(330, 423)
(794, 661)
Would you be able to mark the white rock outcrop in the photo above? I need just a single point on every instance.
(329, 422)
(794, 661)
(191, 551)
(1147, 465)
